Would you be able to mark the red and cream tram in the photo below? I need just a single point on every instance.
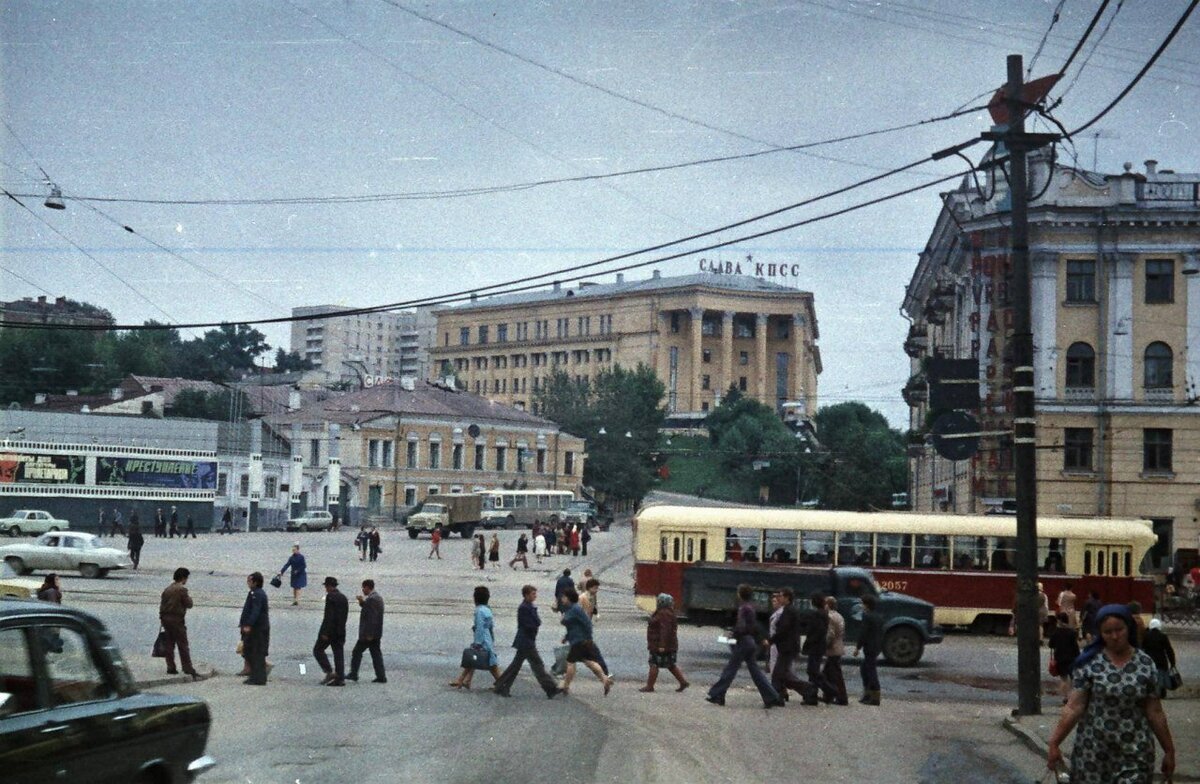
(963, 564)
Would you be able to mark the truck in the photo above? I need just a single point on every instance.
(456, 513)
(709, 594)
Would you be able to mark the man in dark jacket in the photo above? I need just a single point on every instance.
(816, 632)
(564, 582)
(744, 649)
(172, 608)
(370, 630)
(526, 644)
(787, 641)
(333, 634)
(255, 624)
(870, 642)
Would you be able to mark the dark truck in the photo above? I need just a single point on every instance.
(709, 594)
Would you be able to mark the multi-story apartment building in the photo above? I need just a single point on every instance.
(1115, 268)
(59, 311)
(700, 333)
(358, 347)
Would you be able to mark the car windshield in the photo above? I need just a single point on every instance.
(433, 508)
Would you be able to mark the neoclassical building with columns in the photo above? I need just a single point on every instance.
(701, 333)
(1115, 311)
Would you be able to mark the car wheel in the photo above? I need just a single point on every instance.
(902, 646)
(510, 522)
(14, 531)
(303, 528)
(17, 565)
(412, 533)
(89, 570)
(104, 572)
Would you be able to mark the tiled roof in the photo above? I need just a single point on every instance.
(734, 283)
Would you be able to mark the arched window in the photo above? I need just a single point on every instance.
(1157, 367)
(1081, 365)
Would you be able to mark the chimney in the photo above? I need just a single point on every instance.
(655, 275)
(60, 300)
(116, 393)
(293, 400)
(620, 277)
(42, 300)
(557, 286)
(586, 284)
(1151, 167)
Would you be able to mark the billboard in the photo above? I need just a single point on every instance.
(150, 472)
(19, 468)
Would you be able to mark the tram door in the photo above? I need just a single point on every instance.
(683, 547)
(1106, 560)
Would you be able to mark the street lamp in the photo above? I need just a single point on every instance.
(55, 200)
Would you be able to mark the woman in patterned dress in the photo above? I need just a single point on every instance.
(1115, 702)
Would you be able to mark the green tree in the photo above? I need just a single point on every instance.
(288, 361)
(196, 404)
(48, 360)
(864, 458)
(745, 432)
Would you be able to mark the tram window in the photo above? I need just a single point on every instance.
(1100, 562)
(1128, 563)
(662, 552)
(704, 549)
(1087, 561)
(816, 547)
(1051, 556)
(738, 543)
(893, 550)
(933, 551)
(1115, 571)
(691, 556)
(1004, 556)
(971, 552)
(779, 546)
(854, 548)
(675, 548)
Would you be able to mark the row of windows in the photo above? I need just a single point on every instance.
(706, 356)
(270, 486)
(1079, 449)
(1159, 281)
(1157, 366)
(541, 330)
(380, 455)
(744, 325)
(540, 359)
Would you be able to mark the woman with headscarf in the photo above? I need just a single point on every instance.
(1115, 703)
(1158, 647)
(662, 640)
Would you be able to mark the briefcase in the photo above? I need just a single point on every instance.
(474, 657)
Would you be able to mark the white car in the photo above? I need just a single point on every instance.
(61, 552)
(31, 521)
(312, 520)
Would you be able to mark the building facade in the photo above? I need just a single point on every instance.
(364, 348)
(375, 453)
(700, 333)
(1115, 308)
(59, 311)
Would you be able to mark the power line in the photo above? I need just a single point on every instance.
(1149, 64)
(468, 295)
(19, 276)
(1086, 34)
(95, 260)
(25, 149)
(1045, 37)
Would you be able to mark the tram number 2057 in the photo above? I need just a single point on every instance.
(894, 585)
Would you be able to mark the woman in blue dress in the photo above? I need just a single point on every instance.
(1114, 700)
(485, 639)
(299, 572)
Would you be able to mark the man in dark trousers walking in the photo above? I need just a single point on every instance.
(333, 634)
(255, 625)
(526, 644)
(174, 522)
(160, 524)
(816, 642)
(370, 630)
(787, 641)
(172, 608)
(744, 649)
(190, 530)
(227, 522)
(870, 642)
(560, 587)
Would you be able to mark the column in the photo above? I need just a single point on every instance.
(1043, 302)
(799, 361)
(334, 475)
(1191, 268)
(760, 359)
(728, 360)
(696, 325)
(256, 472)
(1118, 354)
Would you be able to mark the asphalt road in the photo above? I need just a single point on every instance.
(940, 721)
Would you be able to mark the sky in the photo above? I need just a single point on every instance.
(433, 101)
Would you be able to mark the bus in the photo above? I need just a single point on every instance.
(520, 508)
(963, 564)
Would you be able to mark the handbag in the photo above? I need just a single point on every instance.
(560, 660)
(474, 657)
(159, 651)
(1174, 679)
(276, 581)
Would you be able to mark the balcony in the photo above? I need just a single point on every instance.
(1158, 394)
(916, 391)
(1079, 394)
(1182, 193)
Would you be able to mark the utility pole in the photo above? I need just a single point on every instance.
(1018, 143)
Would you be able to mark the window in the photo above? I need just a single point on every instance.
(244, 486)
(270, 486)
(502, 333)
(1160, 281)
(1081, 281)
(411, 455)
(893, 550)
(74, 676)
(743, 326)
(410, 496)
(1156, 449)
(816, 547)
(16, 672)
(222, 484)
(675, 322)
(1050, 555)
(483, 334)
(314, 453)
(1004, 554)
(743, 357)
(706, 355)
(501, 454)
(971, 552)
(464, 336)
(480, 456)
(522, 459)
(389, 454)
(933, 551)
(710, 325)
(375, 498)
(456, 457)
(705, 382)
(742, 383)
(541, 461)
(854, 548)
(373, 453)
(435, 454)
(779, 546)
(1081, 366)
(1157, 366)
(569, 463)
(1077, 449)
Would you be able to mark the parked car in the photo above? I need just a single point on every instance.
(70, 711)
(15, 587)
(62, 552)
(31, 521)
(312, 520)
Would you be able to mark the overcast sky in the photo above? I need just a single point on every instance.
(315, 98)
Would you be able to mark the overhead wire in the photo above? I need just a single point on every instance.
(1045, 37)
(1087, 34)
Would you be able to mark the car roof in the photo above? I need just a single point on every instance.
(16, 608)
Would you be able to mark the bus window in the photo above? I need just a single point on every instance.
(1004, 555)
(741, 543)
(1115, 571)
(933, 551)
(704, 549)
(779, 546)
(854, 549)
(1087, 561)
(1128, 563)
(816, 547)
(971, 552)
(1051, 556)
(893, 550)
(519, 501)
